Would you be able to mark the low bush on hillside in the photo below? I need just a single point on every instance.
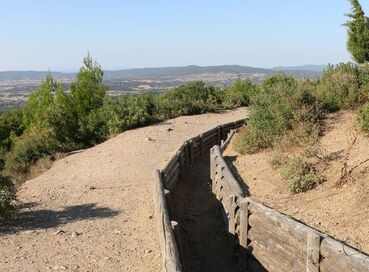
(239, 94)
(27, 150)
(363, 117)
(191, 98)
(344, 86)
(283, 110)
(7, 196)
(300, 175)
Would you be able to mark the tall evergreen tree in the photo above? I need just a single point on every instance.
(358, 33)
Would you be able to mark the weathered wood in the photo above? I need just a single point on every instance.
(244, 225)
(274, 245)
(210, 138)
(169, 250)
(229, 180)
(172, 161)
(271, 261)
(313, 252)
(340, 257)
(190, 148)
(210, 131)
(227, 140)
(232, 214)
(218, 135)
(196, 154)
(202, 149)
(264, 224)
(212, 166)
(284, 222)
(172, 180)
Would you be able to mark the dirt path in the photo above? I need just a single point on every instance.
(92, 211)
(206, 245)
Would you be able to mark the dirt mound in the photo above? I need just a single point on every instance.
(340, 211)
(92, 211)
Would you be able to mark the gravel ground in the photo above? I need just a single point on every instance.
(93, 211)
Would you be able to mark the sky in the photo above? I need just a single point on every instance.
(120, 34)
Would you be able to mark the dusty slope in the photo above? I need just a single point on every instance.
(339, 211)
(92, 211)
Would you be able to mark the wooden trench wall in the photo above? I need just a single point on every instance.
(271, 241)
(267, 240)
(166, 180)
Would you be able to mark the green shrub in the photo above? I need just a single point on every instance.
(239, 94)
(191, 98)
(300, 175)
(363, 117)
(282, 109)
(27, 150)
(11, 123)
(340, 86)
(7, 196)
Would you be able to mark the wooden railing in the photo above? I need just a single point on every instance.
(166, 180)
(271, 241)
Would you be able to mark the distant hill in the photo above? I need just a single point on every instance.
(309, 67)
(299, 71)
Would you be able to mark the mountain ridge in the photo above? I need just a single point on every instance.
(309, 70)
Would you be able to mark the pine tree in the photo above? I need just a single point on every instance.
(358, 33)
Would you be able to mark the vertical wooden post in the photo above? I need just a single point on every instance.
(212, 165)
(219, 136)
(190, 148)
(232, 214)
(244, 232)
(202, 149)
(313, 252)
(244, 223)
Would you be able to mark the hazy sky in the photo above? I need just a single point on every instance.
(40, 34)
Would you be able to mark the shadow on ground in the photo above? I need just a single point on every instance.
(29, 219)
(205, 243)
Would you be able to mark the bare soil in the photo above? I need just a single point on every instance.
(340, 211)
(93, 211)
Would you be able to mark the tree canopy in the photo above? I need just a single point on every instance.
(358, 33)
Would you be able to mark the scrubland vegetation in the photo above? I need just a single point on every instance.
(285, 113)
(56, 121)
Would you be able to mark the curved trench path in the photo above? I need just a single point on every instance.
(93, 211)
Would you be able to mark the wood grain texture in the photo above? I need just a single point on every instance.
(170, 254)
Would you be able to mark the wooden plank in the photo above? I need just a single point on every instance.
(169, 250)
(210, 137)
(227, 140)
(209, 132)
(270, 260)
(339, 257)
(274, 243)
(313, 252)
(172, 161)
(264, 224)
(172, 180)
(244, 225)
(190, 153)
(229, 180)
(284, 222)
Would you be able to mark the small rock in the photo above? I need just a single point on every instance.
(75, 234)
(59, 232)
(92, 188)
(148, 139)
(151, 217)
(169, 129)
(147, 251)
(60, 267)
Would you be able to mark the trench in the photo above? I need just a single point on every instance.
(205, 245)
